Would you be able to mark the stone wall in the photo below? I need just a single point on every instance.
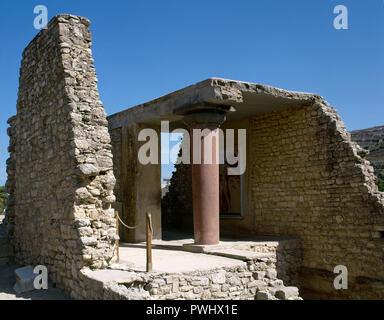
(6, 250)
(249, 280)
(60, 176)
(309, 180)
(288, 256)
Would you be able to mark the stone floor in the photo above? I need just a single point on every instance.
(170, 260)
(181, 255)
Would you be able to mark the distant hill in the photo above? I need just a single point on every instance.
(372, 139)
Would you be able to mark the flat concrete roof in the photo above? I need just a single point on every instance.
(248, 99)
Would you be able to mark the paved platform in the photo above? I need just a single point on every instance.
(169, 260)
(182, 255)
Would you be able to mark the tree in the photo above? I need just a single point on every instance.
(3, 199)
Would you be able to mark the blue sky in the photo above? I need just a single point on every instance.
(145, 49)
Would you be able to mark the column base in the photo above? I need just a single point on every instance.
(201, 248)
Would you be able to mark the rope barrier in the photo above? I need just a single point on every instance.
(125, 225)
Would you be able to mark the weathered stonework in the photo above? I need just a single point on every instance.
(6, 250)
(60, 176)
(310, 180)
(253, 279)
(287, 254)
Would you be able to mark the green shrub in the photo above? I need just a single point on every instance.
(380, 184)
(3, 199)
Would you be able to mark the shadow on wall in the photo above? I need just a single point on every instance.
(176, 205)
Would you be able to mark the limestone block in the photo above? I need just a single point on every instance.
(24, 279)
(287, 293)
(263, 295)
(218, 278)
(271, 273)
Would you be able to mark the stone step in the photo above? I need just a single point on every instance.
(242, 254)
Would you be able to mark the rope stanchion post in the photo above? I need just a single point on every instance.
(149, 232)
(149, 242)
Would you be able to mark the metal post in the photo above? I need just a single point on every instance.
(149, 242)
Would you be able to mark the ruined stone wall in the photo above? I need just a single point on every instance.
(309, 180)
(248, 280)
(60, 176)
(6, 250)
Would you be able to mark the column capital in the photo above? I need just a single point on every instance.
(206, 118)
(204, 114)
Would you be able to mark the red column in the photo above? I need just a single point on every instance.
(205, 176)
(205, 192)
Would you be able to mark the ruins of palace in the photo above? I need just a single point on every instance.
(306, 203)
